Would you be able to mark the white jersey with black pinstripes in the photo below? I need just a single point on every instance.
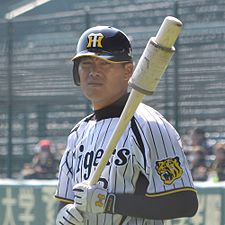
(158, 156)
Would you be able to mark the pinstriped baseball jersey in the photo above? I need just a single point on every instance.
(149, 147)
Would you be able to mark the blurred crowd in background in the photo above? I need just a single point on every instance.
(206, 158)
(45, 161)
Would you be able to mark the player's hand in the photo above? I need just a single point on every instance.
(69, 215)
(93, 199)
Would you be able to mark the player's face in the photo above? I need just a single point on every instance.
(103, 82)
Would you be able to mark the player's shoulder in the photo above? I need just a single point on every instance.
(147, 115)
(81, 123)
(149, 118)
(145, 112)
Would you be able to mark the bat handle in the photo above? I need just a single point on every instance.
(132, 103)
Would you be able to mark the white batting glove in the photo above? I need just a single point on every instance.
(93, 199)
(69, 215)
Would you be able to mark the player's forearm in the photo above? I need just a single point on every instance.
(182, 204)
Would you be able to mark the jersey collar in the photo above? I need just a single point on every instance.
(113, 110)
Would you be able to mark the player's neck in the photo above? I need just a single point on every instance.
(98, 105)
(113, 110)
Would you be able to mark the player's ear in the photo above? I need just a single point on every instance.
(128, 70)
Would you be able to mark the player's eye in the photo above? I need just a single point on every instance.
(86, 63)
(105, 63)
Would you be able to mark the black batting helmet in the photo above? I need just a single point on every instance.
(103, 42)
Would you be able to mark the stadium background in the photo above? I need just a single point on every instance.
(37, 95)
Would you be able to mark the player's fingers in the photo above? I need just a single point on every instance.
(67, 221)
(69, 215)
(79, 188)
(79, 196)
(75, 215)
(80, 193)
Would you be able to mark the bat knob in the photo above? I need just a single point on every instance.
(168, 32)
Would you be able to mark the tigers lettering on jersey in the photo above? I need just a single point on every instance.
(89, 159)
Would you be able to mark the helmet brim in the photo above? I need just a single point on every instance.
(107, 56)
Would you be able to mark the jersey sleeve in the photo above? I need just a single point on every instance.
(165, 165)
(64, 188)
(64, 191)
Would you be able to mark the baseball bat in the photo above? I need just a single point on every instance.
(144, 80)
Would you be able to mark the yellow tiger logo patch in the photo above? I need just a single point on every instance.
(169, 170)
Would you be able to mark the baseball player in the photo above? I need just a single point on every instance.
(146, 180)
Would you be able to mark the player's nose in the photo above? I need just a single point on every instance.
(95, 71)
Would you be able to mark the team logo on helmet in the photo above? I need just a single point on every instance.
(95, 40)
(169, 170)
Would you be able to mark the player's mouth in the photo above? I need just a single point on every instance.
(94, 84)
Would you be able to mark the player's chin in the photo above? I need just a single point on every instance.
(95, 89)
(95, 94)
(92, 89)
